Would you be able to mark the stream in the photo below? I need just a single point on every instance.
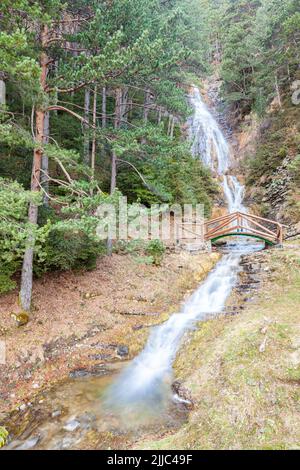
(137, 399)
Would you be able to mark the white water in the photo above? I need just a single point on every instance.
(234, 192)
(208, 141)
(147, 380)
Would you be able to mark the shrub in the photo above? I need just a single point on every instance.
(156, 250)
(144, 252)
(68, 249)
(6, 283)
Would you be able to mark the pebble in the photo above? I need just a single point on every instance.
(72, 425)
(122, 351)
(29, 443)
(56, 413)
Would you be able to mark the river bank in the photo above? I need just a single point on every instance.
(81, 321)
(242, 371)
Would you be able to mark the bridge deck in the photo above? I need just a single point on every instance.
(242, 224)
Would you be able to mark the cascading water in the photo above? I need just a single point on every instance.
(146, 382)
(234, 193)
(208, 142)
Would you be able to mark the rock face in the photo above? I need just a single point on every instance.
(271, 146)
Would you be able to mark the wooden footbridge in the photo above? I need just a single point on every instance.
(231, 225)
(246, 225)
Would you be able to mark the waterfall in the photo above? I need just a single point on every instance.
(146, 382)
(209, 144)
(234, 192)
(207, 139)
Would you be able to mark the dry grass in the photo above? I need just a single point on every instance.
(244, 371)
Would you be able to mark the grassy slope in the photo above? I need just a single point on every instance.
(246, 398)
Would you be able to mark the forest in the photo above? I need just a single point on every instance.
(93, 94)
(95, 104)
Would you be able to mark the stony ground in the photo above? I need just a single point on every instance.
(83, 320)
(243, 371)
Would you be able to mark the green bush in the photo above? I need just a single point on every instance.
(68, 249)
(156, 250)
(129, 247)
(144, 252)
(6, 283)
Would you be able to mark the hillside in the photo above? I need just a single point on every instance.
(149, 224)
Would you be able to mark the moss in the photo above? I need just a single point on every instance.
(3, 436)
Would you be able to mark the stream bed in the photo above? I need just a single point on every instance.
(74, 415)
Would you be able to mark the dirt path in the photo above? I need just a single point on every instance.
(83, 320)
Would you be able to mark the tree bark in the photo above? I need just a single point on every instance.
(159, 116)
(2, 92)
(172, 127)
(147, 102)
(45, 161)
(93, 156)
(86, 146)
(27, 268)
(123, 106)
(169, 125)
(113, 181)
(104, 107)
(117, 123)
(130, 109)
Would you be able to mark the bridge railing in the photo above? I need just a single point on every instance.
(240, 222)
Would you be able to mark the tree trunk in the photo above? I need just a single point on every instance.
(169, 125)
(2, 92)
(94, 132)
(113, 181)
(159, 116)
(123, 106)
(130, 109)
(117, 123)
(86, 146)
(172, 127)
(27, 268)
(147, 102)
(103, 107)
(45, 161)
